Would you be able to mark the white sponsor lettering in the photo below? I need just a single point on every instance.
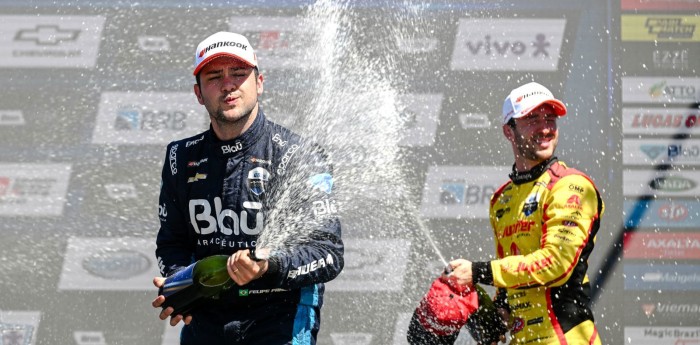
(311, 267)
(662, 335)
(194, 142)
(228, 149)
(173, 159)
(200, 211)
(324, 207)
(278, 140)
(282, 167)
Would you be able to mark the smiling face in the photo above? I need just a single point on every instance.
(534, 137)
(229, 90)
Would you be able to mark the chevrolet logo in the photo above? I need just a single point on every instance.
(47, 35)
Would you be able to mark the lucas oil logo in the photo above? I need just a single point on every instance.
(257, 179)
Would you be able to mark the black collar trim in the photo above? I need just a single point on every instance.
(532, 174)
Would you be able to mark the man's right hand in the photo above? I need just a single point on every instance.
(165, 313)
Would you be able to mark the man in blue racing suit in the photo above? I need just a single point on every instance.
(225, 189)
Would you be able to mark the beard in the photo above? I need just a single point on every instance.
(529, 148)
(222, 119)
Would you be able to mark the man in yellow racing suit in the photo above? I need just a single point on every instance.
(544, 220)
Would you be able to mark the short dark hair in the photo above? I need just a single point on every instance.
(255, 70)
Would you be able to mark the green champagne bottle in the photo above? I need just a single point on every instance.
(485, 325)
(189, 287)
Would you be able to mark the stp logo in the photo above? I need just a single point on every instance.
(673, 212)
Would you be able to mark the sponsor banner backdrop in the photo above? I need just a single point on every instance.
(19, 327)
(148, 117)
(660, 28)
(461, 191)
(663, 213)
(11, 118)
(122, 264)
(660, 151)
(664, 58)
(653, 308)
(660, 90)
(670, 121)
(508, 44)
(662, 335)
(662, 277)
(675, 245)
(366, 262)
(663, 5)
(50, 41)
(280, 42)
(420, 113)
(35, 190)
(660, 183)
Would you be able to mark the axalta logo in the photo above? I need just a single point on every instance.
(223, 44)
(310, 267)
(574, 202)
(671, 243)
(672, 184)
(282, 167)
(200, 211)
(229, 149)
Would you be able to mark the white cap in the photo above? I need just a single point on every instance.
(224, 44)
(527, 98)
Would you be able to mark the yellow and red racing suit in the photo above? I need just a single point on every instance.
(545, 222)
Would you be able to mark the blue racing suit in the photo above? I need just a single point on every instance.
(218, 197)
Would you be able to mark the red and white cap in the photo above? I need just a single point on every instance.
(224, 44)
(523, 100)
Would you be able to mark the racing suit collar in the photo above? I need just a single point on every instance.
(237, 146)
(532, 174)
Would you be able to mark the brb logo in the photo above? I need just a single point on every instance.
(201, 212)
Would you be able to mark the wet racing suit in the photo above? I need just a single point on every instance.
(217, 197)
(545, 222)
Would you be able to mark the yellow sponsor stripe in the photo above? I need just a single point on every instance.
(662, 28)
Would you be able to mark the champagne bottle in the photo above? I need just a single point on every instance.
(485, 325)
(189, 287)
